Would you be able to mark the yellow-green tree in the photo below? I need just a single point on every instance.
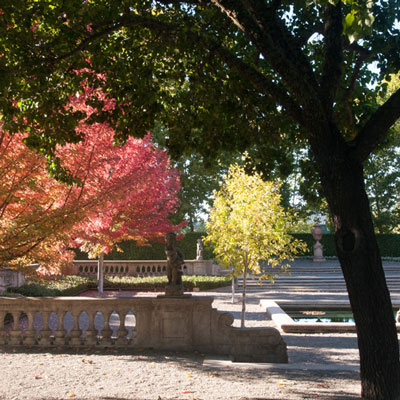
(248, 224)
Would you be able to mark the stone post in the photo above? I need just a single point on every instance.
(317, 233)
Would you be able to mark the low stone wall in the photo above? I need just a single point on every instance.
(188, 324)
(140, 267)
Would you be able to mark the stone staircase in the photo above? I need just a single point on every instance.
(306, 276)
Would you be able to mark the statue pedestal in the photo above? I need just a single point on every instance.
(318, 253)
(317, 233)
(173, 291)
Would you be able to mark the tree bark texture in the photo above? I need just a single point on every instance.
(343, 185)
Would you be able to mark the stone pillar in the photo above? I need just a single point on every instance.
(317, 233)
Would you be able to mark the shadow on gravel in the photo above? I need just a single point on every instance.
(322, 349)
(321, 341)
(304, 396)
(316, 377)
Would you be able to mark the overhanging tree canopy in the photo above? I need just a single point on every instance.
(230, 74)
(124, 193)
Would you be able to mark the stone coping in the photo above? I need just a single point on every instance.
(286, 324)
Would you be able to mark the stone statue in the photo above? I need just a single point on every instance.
(317, 233)
(175, 262)
(199, 255)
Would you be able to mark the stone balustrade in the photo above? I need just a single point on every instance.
(187, 324)
(141, 267)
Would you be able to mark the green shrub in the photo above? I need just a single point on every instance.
(73, 285)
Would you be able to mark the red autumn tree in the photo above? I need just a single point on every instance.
(135, 185)
(36, 212)
(126, 192)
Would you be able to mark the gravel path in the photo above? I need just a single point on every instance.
(112, 375)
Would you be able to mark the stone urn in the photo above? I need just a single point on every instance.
(317, 233)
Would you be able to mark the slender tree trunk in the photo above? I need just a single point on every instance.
(100, 274)
(243, 318)
(357, 249)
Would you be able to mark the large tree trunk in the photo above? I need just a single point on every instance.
(357, 249)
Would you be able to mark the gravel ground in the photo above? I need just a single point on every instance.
(139, 374)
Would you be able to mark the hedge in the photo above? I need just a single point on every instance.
(389, 245)
(155, 251)
(73, 285)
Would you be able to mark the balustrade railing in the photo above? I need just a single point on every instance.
(164, 323)
(140, 267)
(67, 322)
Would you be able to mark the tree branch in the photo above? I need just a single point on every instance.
(264, 85)
(269, 34)
(331, 73)
(376, 128)
(259, 81)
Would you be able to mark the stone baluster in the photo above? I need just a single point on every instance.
(3, 334)
(46, 333)
(106, 333)
(30, 333)
(91, 332)
(60, 333)
(15, 334)
(76, 333)
(121, 339)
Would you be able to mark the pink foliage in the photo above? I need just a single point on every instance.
(134, 184)
(127, 192)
